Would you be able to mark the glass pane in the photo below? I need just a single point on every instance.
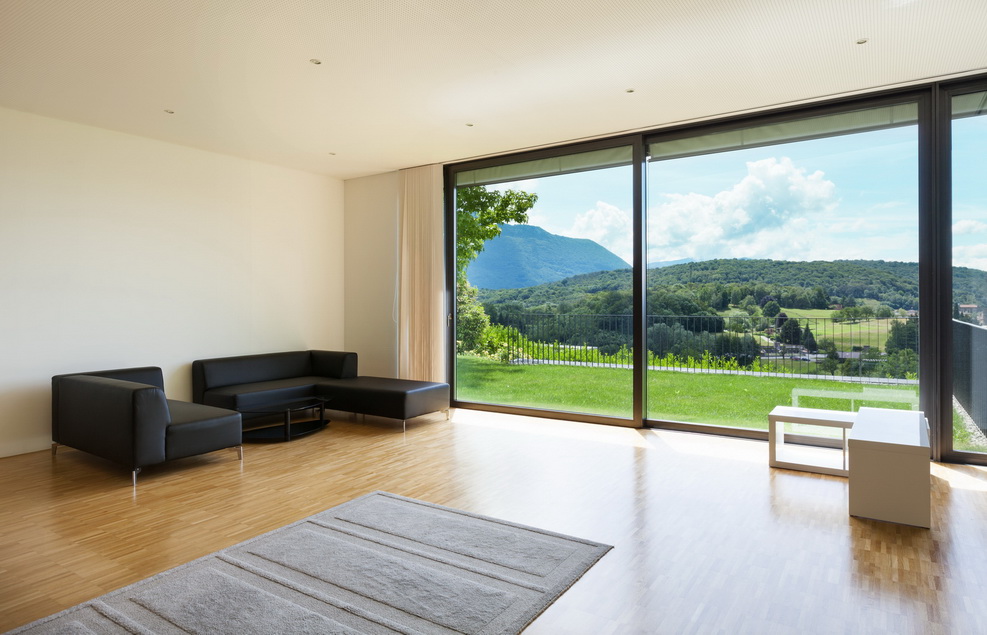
(544, 309)
(786, 273)
(969, 136)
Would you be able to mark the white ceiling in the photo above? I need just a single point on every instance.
(401, 79)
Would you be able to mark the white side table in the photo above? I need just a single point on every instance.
(801, 457)
(889, 467)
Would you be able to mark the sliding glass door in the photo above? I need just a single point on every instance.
(968, 327)
(696, 277)
(783, 268)
(543, 284)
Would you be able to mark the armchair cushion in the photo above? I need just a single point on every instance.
(197, 429)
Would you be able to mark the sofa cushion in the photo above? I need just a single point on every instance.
(246, 369)
(197, 429)
(385, 396)
(334, 364)
(245, 396)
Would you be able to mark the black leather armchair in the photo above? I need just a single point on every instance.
(123, 416)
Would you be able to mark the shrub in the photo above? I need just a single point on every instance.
(471, 319)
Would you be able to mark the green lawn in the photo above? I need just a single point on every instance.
(605, 391)
(720, 399)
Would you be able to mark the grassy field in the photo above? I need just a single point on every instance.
(719, 399)
(809, 313)
(873, 333)
(846, 335)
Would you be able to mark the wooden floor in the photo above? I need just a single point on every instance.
(707, 538)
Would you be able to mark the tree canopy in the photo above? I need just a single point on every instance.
(479, 214)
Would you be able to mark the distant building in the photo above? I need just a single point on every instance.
(971, 311)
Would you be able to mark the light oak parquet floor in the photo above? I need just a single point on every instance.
(707, 538)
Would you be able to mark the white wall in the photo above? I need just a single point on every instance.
(120, 251)
(372, 227)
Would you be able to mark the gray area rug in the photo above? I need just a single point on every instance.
(381, 563)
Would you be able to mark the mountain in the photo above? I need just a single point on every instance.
(526, 256)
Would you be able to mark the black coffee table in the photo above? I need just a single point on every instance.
(287, 430)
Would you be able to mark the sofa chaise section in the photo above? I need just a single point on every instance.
(248, 381)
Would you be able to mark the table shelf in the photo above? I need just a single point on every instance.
(820, 460)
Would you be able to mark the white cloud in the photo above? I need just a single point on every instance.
(770, 213)
(969, 227)
(607, 225)
(974, 256)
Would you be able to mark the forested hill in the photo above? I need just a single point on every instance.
(892, 283)
(875, 279)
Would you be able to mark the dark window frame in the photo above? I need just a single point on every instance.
(935, 256)
(944, 207)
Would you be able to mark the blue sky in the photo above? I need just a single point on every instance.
(852, 196)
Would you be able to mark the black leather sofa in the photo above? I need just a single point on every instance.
(248, 381)
(123, 416)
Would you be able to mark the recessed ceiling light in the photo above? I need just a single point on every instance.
(862, 40)
(315, 61)
(170, 112)
(629, 90)
(332, 154)
(469, 125)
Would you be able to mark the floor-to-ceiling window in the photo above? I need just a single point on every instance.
(783, 267)
(544, 313)
(968, 136)
(778, 259)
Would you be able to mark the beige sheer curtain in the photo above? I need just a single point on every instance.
(421, 305)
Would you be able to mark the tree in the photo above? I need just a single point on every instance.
(736, 296)
(883, 311)
(791, 332)
(471, 319)
(749, 305)
(831, 362)
(770, 309)
(479, 214)
(738, 322)
(809, 340)
(902, 364)
(903, 335)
